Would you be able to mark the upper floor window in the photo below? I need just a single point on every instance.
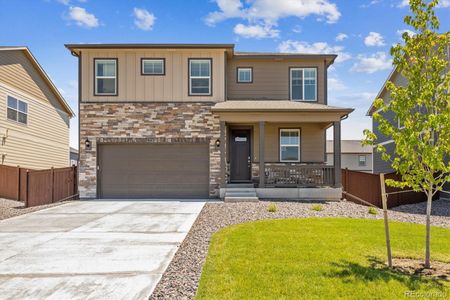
(200, 77)
(362, 160)
(303, 84)
(244, 75)
(289, 145)
(17, 110)
(153, 66)
(105, 77)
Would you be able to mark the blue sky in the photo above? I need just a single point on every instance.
(361, 32)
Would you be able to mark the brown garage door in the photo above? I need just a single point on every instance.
(154, 171)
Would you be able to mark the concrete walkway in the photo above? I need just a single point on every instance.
(92, 249)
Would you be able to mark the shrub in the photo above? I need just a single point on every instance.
(317, 207)
(272, 207)
(373, 211)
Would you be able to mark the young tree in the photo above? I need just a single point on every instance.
(421, 106)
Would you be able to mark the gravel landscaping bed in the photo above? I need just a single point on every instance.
(12, 208)
(180, 281)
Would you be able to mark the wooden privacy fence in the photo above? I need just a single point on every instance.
(38, 187)
(367, 187)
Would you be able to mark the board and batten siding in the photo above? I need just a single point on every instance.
(270, 78)
(134, 87)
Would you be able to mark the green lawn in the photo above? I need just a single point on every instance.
(321, 258)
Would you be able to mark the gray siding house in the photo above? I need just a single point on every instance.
(354, 156)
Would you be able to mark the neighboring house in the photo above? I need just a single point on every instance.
(34, 117)
(73, 156)
(203, 121)
(354, 156)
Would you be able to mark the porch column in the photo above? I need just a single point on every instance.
(261, 154)
(223, 156)
(337, 153)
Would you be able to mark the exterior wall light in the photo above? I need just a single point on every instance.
(217, 143)
(88, 144)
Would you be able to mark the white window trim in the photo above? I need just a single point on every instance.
(282, 145)
(303, 84)
(209, 93)
(16, 110)
(163, 70)
(244, 69)
(97, 60)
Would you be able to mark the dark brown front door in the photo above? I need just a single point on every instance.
(240, 155)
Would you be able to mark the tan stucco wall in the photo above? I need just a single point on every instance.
(173, 86)
(42, 143)
(270, 78)
(312, 141)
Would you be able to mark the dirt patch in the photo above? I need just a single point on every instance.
(438, 270)
(12, 208)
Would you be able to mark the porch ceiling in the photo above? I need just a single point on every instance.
(278, 111)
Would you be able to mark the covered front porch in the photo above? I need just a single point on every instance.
(278, 147)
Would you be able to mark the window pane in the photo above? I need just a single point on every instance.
(244, 75)
(153, 67)
(106, 68)
(297, 92)
(12, 114)
(310, 92)
(289, 153)
(22, 118)
(23, 107)
(106, 85)
(289, 138)
(200, 86)
(12, 102)
(200, 68)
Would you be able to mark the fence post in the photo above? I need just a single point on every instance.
(385, 215)
(74, 178)
(18, 183)
(53, 184)
(27, 180)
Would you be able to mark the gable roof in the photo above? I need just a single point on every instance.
(383, 88)
(42, 73)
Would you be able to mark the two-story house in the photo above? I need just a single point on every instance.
(34, 117)
(203, 121)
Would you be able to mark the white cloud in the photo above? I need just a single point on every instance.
(290, 46)
(404, 3)
(341, 36)
(401, 32)
(297, 29)
(335, 84)
(373, 2)
(82, 17)
(373, 63)
(266, 13)
(374, 39)
(65, 2)
(143, 19)
(255, 31)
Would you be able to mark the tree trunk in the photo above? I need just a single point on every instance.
(427, 241)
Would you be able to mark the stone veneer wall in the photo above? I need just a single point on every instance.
(145, 122)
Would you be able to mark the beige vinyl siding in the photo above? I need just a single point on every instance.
(312, 141)
(42, 143)
(17, 71)
(173, 86)
(270, 78)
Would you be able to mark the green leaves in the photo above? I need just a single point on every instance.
(420, 103)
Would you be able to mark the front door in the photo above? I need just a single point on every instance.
(240, 160)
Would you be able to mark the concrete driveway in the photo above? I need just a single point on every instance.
(92, 249)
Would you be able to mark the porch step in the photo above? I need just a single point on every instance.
(240, 185)
(241, 199)
(240, 193)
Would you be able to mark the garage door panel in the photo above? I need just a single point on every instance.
(154, 171)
